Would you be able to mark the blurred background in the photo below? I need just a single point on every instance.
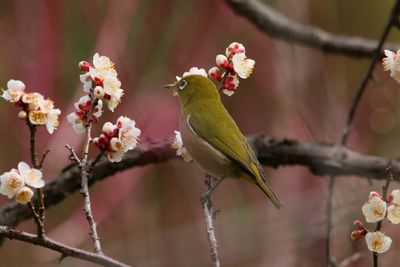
(151, 216)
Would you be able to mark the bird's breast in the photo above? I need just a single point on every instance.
(213, 161)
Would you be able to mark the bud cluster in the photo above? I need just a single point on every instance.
(117, 139)
(232, 66)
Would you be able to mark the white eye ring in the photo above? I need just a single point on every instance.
(182, 84)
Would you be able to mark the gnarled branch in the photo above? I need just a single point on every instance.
(278, 26)
(320, 158)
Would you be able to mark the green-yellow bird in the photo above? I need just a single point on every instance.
(211, 136)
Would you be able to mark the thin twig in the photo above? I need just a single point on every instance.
(65, 250)
(209, 215)
(73, 156)
(86, 169)
(354, 105)
(278, 26)
(43, 158)
(385, 188)
(41, 210)
(37, 219)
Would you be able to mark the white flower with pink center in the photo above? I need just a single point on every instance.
(234, 48)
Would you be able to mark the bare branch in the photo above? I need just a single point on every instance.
(278, 26)
(56, 246)
(320, 158)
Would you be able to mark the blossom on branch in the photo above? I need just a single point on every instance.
(391, 62)
(378, 242)
(230, 67)
(16, 181)
(118, 139)
(374, 209)
(35, 108)
(102, 78)
(180, 149)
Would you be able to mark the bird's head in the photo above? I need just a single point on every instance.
(194, 88)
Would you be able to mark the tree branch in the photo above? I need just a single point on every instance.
(278, 26)
(56, 246)
(320, 158)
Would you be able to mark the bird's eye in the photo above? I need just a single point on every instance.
(182, 84)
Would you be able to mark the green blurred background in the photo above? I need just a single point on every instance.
(152, 216)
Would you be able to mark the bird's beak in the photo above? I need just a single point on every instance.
(168, 86)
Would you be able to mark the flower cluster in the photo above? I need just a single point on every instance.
(180, 149)
(35, 109)
(232, 66)
(101, 82)
(16, 181)
(118, 139)
(102, 78)
(80, 118)
(392, 63)
(375, 210)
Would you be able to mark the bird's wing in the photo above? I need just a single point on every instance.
(221, 132)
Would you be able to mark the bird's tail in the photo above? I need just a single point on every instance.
(266, 188)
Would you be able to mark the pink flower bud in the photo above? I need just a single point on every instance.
(84, 66)
(231, 82)
(215, 73)
(359, 224)
(373, 194)
(234, 48)
(358, 234)
(222, 61)
(108, 128)
(389, 198)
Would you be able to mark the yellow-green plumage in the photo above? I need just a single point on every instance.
(211, 136)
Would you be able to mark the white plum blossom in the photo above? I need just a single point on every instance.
(10, 183)
(374, 210)
(395, 197)
(52, 120)
(118, 139)
(31, 176)
(378, 242)
(242, 65)
(102, 78)
(78, 119)
(193, 71)
(128, 134)
(392, 63)
(77, 123)
(180, 149)
(115, 151)
(24, 195)
(14, 92)
(393, 214)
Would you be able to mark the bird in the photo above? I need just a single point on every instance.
(212, 138)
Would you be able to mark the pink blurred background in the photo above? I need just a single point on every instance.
(151, 216)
